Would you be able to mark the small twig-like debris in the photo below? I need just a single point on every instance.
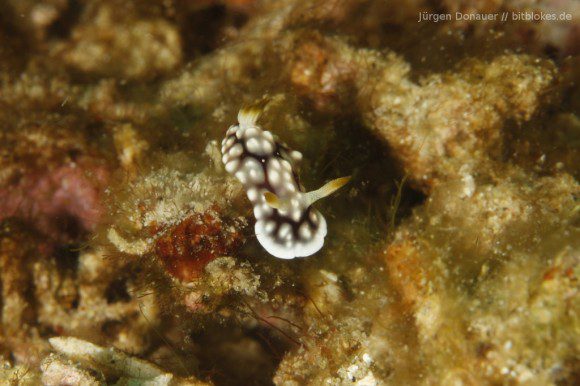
(255, 315)
(181, 363)
(396, 202)
(287, 321)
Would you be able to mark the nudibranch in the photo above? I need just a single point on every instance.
(287, 225)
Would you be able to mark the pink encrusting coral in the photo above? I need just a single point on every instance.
(61, 202)
(53, 178)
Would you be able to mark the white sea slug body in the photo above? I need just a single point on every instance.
(287, 225)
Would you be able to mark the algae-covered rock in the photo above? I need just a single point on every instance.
(114, 39)
(489, 289)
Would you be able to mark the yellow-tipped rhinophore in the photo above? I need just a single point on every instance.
(249, 115)
(326, 189)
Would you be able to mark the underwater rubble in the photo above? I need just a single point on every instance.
(128, 254)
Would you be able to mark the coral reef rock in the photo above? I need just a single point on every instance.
(128, 253)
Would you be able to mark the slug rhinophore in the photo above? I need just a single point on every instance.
(287, 225)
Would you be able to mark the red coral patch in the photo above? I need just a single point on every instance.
(188, 247)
